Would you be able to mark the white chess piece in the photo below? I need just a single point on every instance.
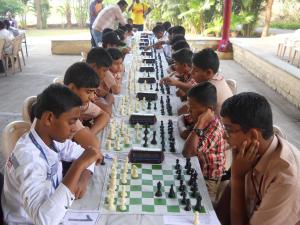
(196, 218)
(118, 146)
(124, 178)
(134, 172)
(126, 140)
(124, 193)
(111, 204)
(123, 206)
(108, 144)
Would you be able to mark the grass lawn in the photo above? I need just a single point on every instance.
(56, 32)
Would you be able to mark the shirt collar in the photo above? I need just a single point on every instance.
(217, 76)
(265, 159)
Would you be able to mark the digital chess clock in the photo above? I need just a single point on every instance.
(146, 155)
(149, 96)
(149, 80)
(143, 119)
(148, 69)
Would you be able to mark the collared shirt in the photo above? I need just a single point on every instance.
(273, 187)
(29, 194)
(138, 12)
(107, 18)
(95, 8)
(211, 150)
(223, 90)
(106, 84)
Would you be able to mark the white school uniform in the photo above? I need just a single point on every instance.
(33, 192)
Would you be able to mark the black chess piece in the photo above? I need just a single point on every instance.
(178, 170)
(171, 192)
(158, 192)
(188, 205)
(183, 200)
(191, 180)
(188, 161)
(145, 144)
(179, 175)
(194, 186)
(149, 105)
(154, 142)
(151, 88)
(177, 166)
(198, 205)
(156, 89)
(155, 107)
(146, 131)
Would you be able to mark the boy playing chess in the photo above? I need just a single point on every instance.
(34, 190)
(206, 139)
(117, 66)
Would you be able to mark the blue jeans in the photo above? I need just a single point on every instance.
(97, 35)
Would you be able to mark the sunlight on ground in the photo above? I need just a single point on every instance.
(56, 32)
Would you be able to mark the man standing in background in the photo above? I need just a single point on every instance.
(95, 7)
(140, 10)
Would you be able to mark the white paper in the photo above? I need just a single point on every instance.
(188, 220)
(81, 217)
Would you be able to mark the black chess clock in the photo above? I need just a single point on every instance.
(146, 155)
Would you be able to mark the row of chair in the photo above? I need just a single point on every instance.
(14, 57)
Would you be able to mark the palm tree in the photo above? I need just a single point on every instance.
(268, 17)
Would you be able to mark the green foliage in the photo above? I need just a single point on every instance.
(14, 6)
(286, 25)
(45, 12)
(80, 8)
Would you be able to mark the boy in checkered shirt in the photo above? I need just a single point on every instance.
(206, 139)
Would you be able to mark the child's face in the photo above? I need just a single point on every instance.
(63, 127)
(180, 68)
(195, 109)
(200, 75)
(117, 66)
(100, 70)
(85, 94)
(234, 134)
(159, 35)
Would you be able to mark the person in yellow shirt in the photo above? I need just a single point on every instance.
(140, 10)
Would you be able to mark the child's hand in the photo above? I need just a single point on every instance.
(89, 156)
(169, 81)
(204, 119)
(82, 184)
(245, 159)
(147, 48)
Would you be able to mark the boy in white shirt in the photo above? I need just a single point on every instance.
(34, 190)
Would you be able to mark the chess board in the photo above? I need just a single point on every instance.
(141, 197)
(165, 105)
(131, 130)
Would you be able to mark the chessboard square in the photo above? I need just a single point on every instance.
(170, 177)
(135, 188)
(147, 177)
(159, 201)
(135, 201)
(167, 172)
(146, 171)
(168, 182)
(135, 194)
(135, 182)
(147, 208)
(147, 194)
(157, 172)
(147, 201)
(173, 208)
(157, 177)
(147, 182)
(156, 167)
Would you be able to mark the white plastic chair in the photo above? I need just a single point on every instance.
(83, 57)
(58, 80)
(27, 108)
(17, 46)
(11, 134)
(2, 42)
(233, 86)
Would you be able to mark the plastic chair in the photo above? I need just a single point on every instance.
(296, 52)
(11, 134)
(232, 84)
(27, 108)
(83, 56)
(17, 46)
(58, 80)
(2, 42)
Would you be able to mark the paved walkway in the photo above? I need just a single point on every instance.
(41, 68)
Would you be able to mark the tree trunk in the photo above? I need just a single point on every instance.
(37, 4)
(268, 16)
(68, 15)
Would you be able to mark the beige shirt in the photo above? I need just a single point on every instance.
(106, 84)
(223, 91)
(273, 187)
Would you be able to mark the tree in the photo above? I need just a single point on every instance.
(14, 6)
(65, 11)
(81, 11)
(268, 17)
(38, 11)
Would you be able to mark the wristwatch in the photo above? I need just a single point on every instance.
(199, 132)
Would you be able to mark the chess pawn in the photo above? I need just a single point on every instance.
(145, 85)
(111, 204)
(126, 160)
(196, 218)
(123, 206)
(124, 178)
(118, 146)
(108, 144)
(123, 193)
(126, 140)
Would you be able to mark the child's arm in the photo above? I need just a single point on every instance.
(100, 122)
(184, 86)
(86, 138)
(183, 129)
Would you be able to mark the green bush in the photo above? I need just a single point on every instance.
(286, 25)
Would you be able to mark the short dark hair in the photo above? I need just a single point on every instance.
(178, 30)
(170, 30)
(6, 23)
(99, 56)
(166, 25)
(115, 53)
(106, 30)
(249, 110)
(57, 99)
(205, 93)
(207, 59)
(122, 3)
(157, 28)
(177, 37)
(2, 25)
(82, 76)
(183, 56)
(180, 45)
(120, 34)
